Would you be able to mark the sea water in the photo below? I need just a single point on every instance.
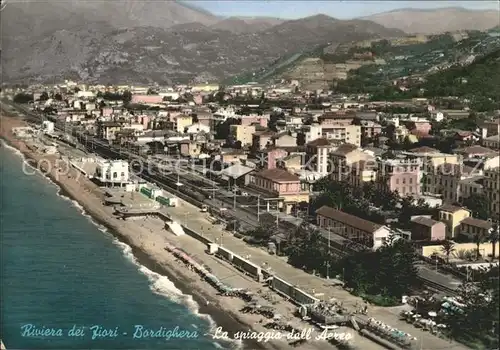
(68, 284)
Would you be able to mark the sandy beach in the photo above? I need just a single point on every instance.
(148, 237)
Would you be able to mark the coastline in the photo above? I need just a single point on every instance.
(223, 317)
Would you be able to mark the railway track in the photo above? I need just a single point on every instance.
(168, 182)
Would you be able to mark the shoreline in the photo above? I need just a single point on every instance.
(223, 317)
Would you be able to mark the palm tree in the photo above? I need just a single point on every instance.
(478, 239)
(493, 234)
(447, 248)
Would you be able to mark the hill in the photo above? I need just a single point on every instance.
(478, 81)
(246, 24)
(142, 41)
(437, 21)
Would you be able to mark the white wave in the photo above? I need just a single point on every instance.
(13, 149)
(159, 284)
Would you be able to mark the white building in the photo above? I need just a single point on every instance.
(48, 126)
(113, 172)
(196, 128)
(85, 94)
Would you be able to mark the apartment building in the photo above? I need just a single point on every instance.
(401, 175)
(491, 188)
(446, 180)
(342, 159)
(370, 129)
(312, 132)
(362, 172)
(344, 133)
(354, 228)
(317, 155)
(262, 139)
(242, 133)
(181, 122)
(338, 126)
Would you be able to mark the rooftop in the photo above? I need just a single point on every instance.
(319, 142)
(345, 149)
(450, 208)
(422, 220)
(348, 219)
(235, 171)
(477, 223)
(477, 150)
(278, 175)
(424, 149)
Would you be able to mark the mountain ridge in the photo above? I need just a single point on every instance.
(162, 40)
(435, 21)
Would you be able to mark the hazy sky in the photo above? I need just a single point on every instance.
(338, 9)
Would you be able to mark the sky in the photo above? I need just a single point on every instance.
(338, 9)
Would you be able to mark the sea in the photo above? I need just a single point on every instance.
(67, 283)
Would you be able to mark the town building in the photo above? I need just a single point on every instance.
(426, 229)
(112, 172)
(352, 227)
(470, 228)
(343, 157)
(317, 155)
(452, 216)
(491, 188)
(281, 184)
(242, 133)
(401, 175)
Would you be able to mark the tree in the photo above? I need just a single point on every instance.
(478, 321)
(447, 247)
(478, 205)
(389, 271)
(222, 130)
(23, 98)
(58, 97)
(127, 97)
(478, 240)
(493, 238)
(262, 232)
(44, 96)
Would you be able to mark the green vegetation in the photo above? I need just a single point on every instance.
(478, 82)
(380, 277)
(359, 201)
(478, 324)
(23, 98)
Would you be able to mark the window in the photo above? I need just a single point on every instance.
(397, 181)
(404, 181)
(411, 180)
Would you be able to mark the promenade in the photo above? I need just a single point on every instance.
(191, 217)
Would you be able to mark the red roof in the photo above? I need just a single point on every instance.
(278, 175)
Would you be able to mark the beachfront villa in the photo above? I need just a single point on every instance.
(112, 172)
